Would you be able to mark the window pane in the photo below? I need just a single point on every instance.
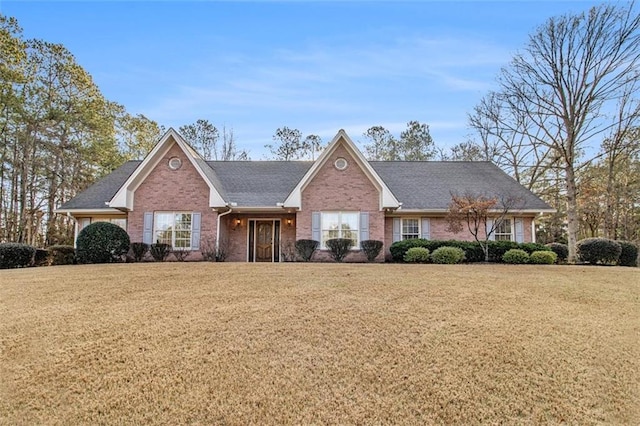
(349, 221)
(330, 221)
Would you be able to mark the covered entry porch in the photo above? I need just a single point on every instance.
(260, 238)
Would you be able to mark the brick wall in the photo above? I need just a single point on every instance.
(172, 190)
(341, 190)
(438, 230)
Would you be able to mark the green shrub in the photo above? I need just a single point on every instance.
(306, 248)
(139, 251)
(515, 256)
(41, 257)
(339, 248)
(102, 242)
(62, 255)
(562, 250)
(543, 257)
(448, 255)
(628, 254)
(15, 255)
(417, 255)
(160, 251)
(371, 249)
(473, 251)
(598, 250)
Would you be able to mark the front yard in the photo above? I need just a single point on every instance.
(235, 343)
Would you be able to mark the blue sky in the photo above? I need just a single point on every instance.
(316, 66)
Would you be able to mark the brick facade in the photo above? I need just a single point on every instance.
(341, 190)
(181, 190)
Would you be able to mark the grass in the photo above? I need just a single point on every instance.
(207, 343)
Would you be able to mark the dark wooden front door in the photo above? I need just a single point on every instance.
(264, 241)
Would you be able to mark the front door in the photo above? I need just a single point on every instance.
(264, 241)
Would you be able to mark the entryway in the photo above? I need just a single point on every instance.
(264, 240)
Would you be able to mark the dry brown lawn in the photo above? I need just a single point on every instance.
(206, 343)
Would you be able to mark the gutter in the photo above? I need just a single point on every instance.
(230, 205)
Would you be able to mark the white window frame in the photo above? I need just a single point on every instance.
(173, 229)
(324, 228)
(502, 236)
(406, 236)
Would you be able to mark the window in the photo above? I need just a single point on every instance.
(503, 231)
(410, 228)
(340, 225)
(173, 228)
(122, 223)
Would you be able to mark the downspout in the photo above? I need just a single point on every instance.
(218, 227)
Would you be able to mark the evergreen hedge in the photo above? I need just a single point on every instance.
(16, 255)
(102, 242)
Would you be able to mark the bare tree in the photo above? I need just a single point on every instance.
(481, 214)
(571, 73)
(289, 145)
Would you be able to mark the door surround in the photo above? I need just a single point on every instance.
(252, 239)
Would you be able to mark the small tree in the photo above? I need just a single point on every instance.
(480, 214)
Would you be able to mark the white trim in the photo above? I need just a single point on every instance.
(105, 211)
(512, 225)
(533, 229)
(403, 218)
(356, 246)
(124, 197)
(387, 199)
(173, 213)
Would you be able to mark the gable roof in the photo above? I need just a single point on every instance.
(419, 186)
(387, 199)
(123, 198)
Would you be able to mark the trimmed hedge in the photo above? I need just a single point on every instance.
(448, 255)
(417, 255)
(160, 251)
(339, 248)
(62, 255)
(628, 254)
(306, 248)
(472, 249)
(41, 257)
(139, 250)
(371, 249)
(599, 250)
(16, 255)
(102, 242)
(543, 258)
(515, 256)
(561, 250)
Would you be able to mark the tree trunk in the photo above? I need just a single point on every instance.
(572, 212)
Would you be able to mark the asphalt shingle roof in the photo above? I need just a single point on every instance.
(417, 185)
(429, 185)
(95, 196)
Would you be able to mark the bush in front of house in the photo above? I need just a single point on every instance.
(62, 255)
(543, 257)
(628, 254)
(515, 256)
(160, 251)
(306, 248)
(102, 242)
(139, 250)
(339, 248)
(448, 255)
(180, 255)
(16, 255)
(561, 250)
(598, 250)
(417, 255)
(41, 257)
(371, 249)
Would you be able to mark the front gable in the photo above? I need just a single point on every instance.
(170, 145)
(328, 170)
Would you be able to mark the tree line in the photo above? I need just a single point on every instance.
(563, 122)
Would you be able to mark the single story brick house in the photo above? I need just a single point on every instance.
(256, 210)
